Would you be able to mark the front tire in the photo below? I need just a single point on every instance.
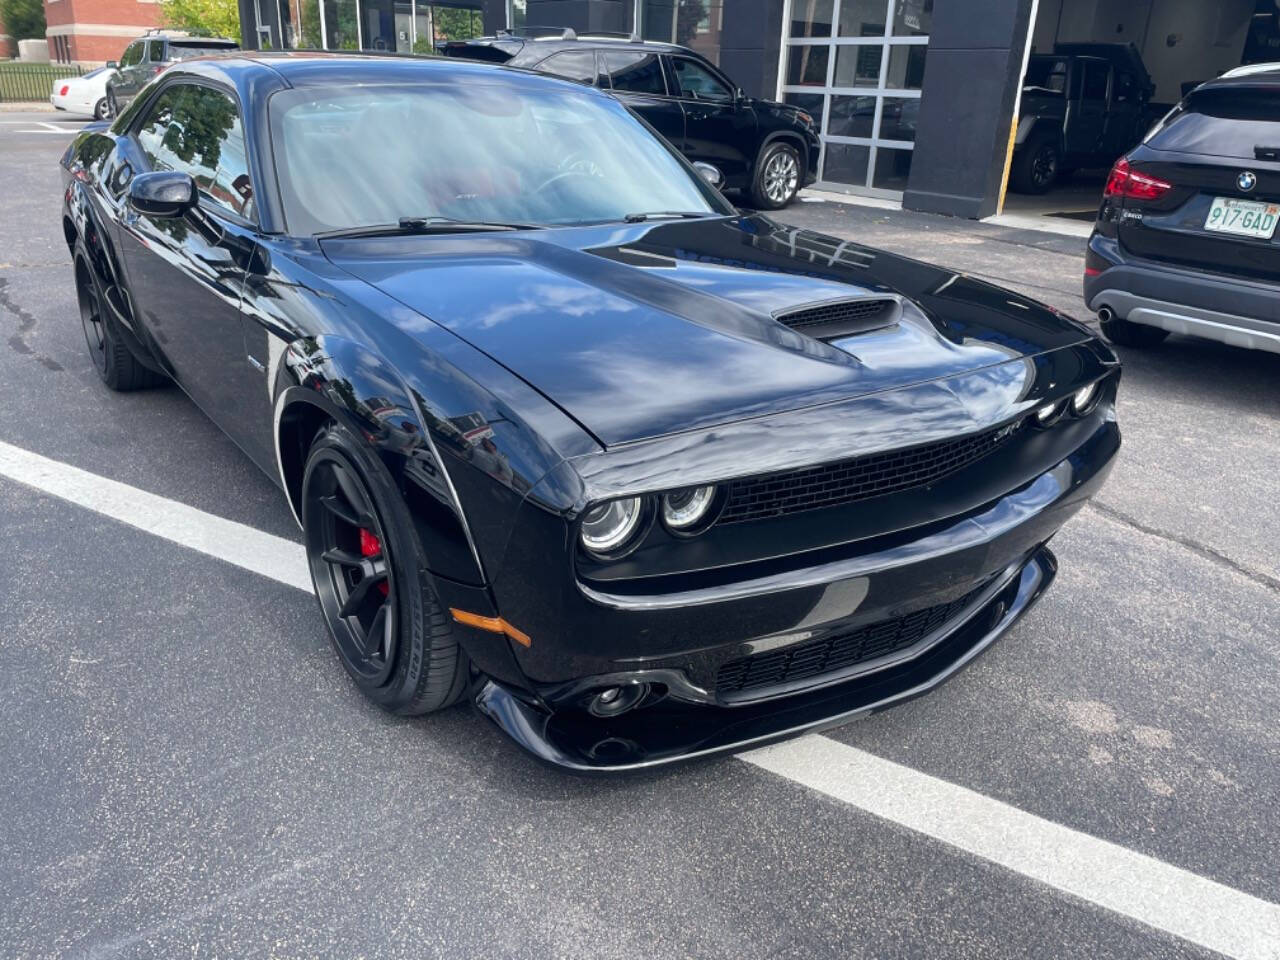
(1136, 335)
(115, 363)
(776, 180)
(1036, 166)
(376, 595)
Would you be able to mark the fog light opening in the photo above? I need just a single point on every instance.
(614, 701)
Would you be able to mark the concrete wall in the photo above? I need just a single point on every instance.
(966, 111)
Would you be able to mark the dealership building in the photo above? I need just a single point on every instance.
(916, 99)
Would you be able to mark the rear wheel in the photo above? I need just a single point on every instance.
(1036, 166)
(1127, 334)
(102, 109)
(389, 630)
(777, 177)
(118, 368)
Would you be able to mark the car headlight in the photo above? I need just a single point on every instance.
(608, 527)
(1084, 400)
(684, 510)
(1049, 414)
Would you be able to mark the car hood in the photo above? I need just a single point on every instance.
(643, 330)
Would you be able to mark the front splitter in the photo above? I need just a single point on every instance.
(673, 730)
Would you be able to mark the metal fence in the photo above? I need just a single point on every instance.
(21, 82)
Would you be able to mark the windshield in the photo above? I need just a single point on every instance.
(473, 150)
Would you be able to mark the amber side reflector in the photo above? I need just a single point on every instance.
(491, 624)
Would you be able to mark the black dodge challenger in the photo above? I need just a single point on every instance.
(641, 476)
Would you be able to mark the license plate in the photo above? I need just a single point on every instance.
(1244, 218)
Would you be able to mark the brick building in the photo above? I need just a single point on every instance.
(90, 32)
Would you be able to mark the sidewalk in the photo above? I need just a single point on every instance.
(30, 106)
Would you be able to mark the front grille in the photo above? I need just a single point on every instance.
(775, 495)
(838, 651)
(866, 314)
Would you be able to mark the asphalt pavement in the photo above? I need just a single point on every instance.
(187, 772)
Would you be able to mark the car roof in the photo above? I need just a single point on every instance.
(569, 40)
(1264, 80)
(298, 68)
(1251, 70)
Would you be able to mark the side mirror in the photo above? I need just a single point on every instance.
(709, 173)
(163, 195)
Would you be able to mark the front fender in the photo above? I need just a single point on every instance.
(331, 378)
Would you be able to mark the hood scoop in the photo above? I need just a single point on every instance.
(833, 319)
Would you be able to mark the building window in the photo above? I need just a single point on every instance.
(690, 23)
(857, 67)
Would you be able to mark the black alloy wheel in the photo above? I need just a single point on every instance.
(1036, 166)
(375, 594)
(116, 365)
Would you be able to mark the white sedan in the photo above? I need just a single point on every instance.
(84, 94)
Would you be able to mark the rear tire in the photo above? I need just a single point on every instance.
(117, 367)
(1036, 166)
(1136, 335)
(102, 109)
(393, 636)
(776, 179)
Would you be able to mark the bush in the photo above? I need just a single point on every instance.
(23, 19)
(204, 18)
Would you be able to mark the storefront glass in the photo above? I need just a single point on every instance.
(690, 23)
(394, 26)
(857, 66)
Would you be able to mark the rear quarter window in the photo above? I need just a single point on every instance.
(1221, 123)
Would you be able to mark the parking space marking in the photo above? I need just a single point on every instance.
(1155, 893)
(236, 543)
(1150, 891)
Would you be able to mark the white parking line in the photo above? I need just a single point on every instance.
(1150, 891)
(263, 553)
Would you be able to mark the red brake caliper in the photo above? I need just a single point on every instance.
(371, 546)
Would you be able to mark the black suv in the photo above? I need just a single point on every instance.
(1186, 235)
(1082, 106)
(768, 149)
(149, 55)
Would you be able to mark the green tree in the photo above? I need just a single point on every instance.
(23, 19)
(204, 18)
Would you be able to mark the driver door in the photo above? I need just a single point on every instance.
(186, 275)
(719, 128)
(637, 79)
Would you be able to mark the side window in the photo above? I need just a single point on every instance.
(132, 55)
(1126, 87)
(1095, 80)
(631, 71)
(196, 130)
(696, 82)
(579, 65)
(155, 51)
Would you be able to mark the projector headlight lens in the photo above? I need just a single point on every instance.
(1084, 399)
(608, 527)
(683, 510)
(1047, 414)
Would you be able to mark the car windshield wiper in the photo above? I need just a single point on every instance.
(665, 215)
(425, 225)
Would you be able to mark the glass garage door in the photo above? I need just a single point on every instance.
(857, 67)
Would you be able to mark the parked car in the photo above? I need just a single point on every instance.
(1185, 240)
(641, 476)
(767, 149)
(147, 56)
(1082, 106)
(85, 94)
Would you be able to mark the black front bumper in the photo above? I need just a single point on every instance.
(675, 729)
